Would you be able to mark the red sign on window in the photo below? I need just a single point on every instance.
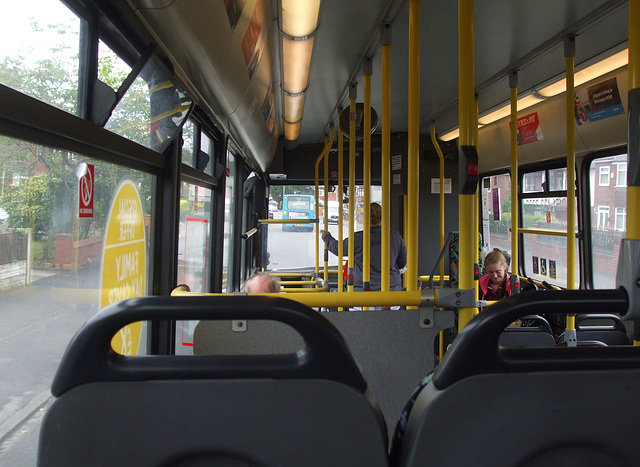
(85, 195)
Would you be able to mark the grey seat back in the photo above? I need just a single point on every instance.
(488, 405)
(312, 407)
(607, 328)
(537, 333)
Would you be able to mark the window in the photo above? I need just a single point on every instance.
(194, 251)
(229, 223)
(603, 179)
(68, 268)
(39, 52)
(543, 210)
(603, 217)
(496, 212)
(558, 179)
(301, 200)
(605, 238)
(621, 174)
(152, 110)
(533, 182)
(621, 219)
(188, 138)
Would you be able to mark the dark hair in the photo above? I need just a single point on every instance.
(375, 213)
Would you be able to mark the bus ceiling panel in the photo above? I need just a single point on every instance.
(225, 59)
(507, 33)
(345, 33)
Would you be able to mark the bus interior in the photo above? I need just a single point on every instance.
(155, 154)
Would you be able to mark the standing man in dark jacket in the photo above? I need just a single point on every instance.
(397, 251)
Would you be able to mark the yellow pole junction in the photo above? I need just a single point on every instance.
(385, 171)
(325, 149)
(513, 83)
(468, 251)
(413, 161)
(366, 181)
(434, 140)
(353, 94)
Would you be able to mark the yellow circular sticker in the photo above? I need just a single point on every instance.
(124, 263)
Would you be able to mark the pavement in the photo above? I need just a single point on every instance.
(37, 322)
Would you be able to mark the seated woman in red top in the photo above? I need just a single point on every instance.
(496, 283)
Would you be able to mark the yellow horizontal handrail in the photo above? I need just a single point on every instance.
(351, 299)
(291, 274)
(298, 282)
(291, 290)
(558, 233)
(436, 278)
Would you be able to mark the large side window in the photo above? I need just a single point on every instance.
(544, 220)
(608, 217)
(58, 266)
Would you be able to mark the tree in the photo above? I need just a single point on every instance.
(30, 202)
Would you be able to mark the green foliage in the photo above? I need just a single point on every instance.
(30, 202)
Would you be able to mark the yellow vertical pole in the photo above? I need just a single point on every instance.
(569, 53)
(633, 189)
(413, 162)
(385, 172)
(633, 152)
(468, 251)
(571, 164)
(326, 202)
(436, 145)
(515, 205)
(353, 94)
(340, 210)
(317, 198)
(366, 174)
(476, 206)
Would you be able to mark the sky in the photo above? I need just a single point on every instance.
(16, 32)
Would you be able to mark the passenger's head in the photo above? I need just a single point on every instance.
(261, 282)
(496, 266)
(375, 213)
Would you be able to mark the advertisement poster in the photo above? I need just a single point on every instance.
(543, 266)
(598, 102)
(535, 265)
(552, 269)
(495, 193)
(253, 43)
(529, 130)
(124, 262)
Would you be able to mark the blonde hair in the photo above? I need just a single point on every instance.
(495, 257)
(375, 213)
